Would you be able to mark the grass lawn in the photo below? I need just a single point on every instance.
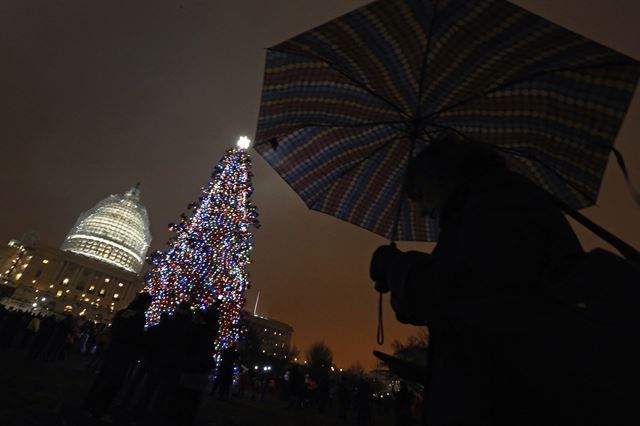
(37, 393)
(248, 413)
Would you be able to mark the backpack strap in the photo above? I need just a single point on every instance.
(625, 249)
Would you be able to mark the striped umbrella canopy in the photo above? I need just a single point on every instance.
(347, 104)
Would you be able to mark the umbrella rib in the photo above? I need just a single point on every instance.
(523, 79)
(423, 74)
(403, 191)
(423, 70)
(549, 168)
(611, 148)
(355, 125)
(358, 163)
(344, 74)
(391, 124)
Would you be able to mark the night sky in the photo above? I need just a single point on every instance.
(97, 95)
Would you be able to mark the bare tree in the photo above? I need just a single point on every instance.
(292, 353)
(418, 340)
(356, 369)
(319, 355)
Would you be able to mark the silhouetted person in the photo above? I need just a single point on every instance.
(30, 331)
(362, 403)
(224, 378)
(150, 371)
(344, 398)
(244, 382)
(14, 322)
(43, 338)
(103, 337)
(168, 359)
(323, 393)
(84, 333)
(500, 351)
(403, 405)
(60, 339)
(92, 333)
(295, 385)
(198, 364)
(127, 331)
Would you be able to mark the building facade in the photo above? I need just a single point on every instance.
(97, 271)
(114, 231)
(274, 336)
(49, 280)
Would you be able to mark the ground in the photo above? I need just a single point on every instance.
(37, 393)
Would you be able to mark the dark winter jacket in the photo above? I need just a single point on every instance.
(128, 327)
(499, 237)
(497, 343)
(200, 348)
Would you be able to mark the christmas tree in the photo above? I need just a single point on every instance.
(206, 262)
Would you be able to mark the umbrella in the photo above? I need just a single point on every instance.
(346, 105)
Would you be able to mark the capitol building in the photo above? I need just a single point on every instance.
(114, 231)
(96, 272)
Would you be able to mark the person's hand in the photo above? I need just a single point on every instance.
(381, 261)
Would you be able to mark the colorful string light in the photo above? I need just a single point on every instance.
(207, 258)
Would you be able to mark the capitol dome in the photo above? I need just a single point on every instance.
(114, 231)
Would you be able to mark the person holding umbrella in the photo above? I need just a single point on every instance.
(502, 352)
(494, 121)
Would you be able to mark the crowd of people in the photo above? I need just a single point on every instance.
(152, 376)
(351, 397)
(159, 375)
(46, 337)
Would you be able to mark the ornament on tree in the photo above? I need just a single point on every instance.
(206, 262)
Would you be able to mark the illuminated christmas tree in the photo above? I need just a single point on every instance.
(207, 258)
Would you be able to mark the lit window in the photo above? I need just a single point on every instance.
(59, 293)
(18, 275)
(68, 308)
(33, 282)
(115, 296)
(102, 292)
(86, 299)
(65, 281)
(67, 291)
(51, 286)
(120, 285)
(45, 261)
(106, 280)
